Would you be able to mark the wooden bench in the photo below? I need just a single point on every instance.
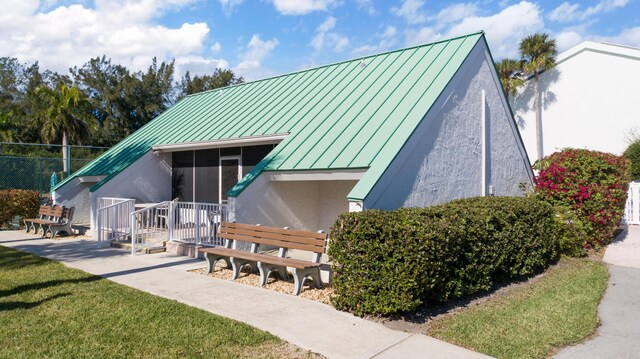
(53, 219)
(281, 238)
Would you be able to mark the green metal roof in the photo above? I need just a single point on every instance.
(352, 114)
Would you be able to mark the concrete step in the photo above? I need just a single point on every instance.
(147, 250)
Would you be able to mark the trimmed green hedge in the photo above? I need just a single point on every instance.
(18, 202)
(386, 262)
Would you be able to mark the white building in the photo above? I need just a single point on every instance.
(590, 100)
(411, 127)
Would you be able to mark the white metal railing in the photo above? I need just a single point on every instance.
(197, 223)
(188, 222)
(108, 201)
(113, 218)
(150, 226)
(632, 208)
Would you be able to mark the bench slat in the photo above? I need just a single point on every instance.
(273, 242)
(293, 232)
(283, 236)
(259, 257)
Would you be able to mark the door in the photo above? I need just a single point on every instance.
(230, 174)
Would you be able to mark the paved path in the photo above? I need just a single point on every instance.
(310, 325)
(619, 311)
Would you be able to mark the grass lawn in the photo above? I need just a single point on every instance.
(49, 310)
(556, 310)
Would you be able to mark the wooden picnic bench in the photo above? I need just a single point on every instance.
(281, 238)
(52, 219)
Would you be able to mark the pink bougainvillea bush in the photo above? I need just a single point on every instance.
(592, 184)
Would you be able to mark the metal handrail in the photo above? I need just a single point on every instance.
(114, 218)
(147, 221)
(196, 222)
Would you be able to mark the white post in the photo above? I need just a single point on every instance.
(133, 234)
(170, 219)
(483, 145)
(635, 195)
(196, 208)
(99, 230)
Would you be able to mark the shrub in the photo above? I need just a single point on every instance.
(393, 261)
(17, 202)
(593, 184)
(633, 153)
(573, 233)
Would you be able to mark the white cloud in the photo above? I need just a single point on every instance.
(568, 39)
(302, 7)
(326, 38)
(216, 47)
(410, 11)
(565, 12)
(568, 12)
(630, 37)
(198, 65)
(124, 30)
(327, 25)
(390, 31)
(423, 35)
(250, 65)
(368, 6)
(229, 5)
(503, 30)
(457, 12)
(387, 39)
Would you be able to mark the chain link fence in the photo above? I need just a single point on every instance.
(29, 166)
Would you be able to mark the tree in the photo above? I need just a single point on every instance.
(124, 101)
(538, 53)
(633, 153)
(5, 127)
(200, 83)
(65, 115)
(510, 72)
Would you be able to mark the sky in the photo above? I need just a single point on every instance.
(262, 38)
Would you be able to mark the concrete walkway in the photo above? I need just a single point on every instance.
(310, 325)
(619, 311)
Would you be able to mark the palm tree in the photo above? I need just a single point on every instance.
(65, 113)
(538, 53)
(510, 72)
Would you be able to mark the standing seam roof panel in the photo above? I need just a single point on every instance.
(334, 116)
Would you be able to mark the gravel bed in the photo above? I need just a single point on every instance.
(309, 291)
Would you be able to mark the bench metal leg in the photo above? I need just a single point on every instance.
(30, 226)
(299, 276)
(266, 269)
(213, 258)
(56, 228)
(238, 263)
(44, 231)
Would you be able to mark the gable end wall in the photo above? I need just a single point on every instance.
(441, 161)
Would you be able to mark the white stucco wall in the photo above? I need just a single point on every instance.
(442, 160)
(309, 205)
(589, 100)
(76, 194)
(146, 180)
